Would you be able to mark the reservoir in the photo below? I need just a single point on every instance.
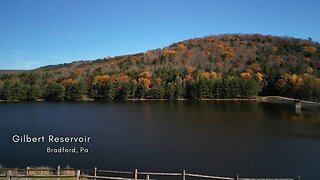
(222, 138)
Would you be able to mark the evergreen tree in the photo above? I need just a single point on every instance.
(74, 92)
(33, 93)
(141, 91)
(179, 91)
(158, 91)
(19, 91)
(125, 91)
(109, 90)
(170, 91)
(6, 90)
(54, 92)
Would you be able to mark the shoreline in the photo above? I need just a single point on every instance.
(259, 98)
(263, 99)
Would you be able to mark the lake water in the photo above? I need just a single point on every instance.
(214, 138)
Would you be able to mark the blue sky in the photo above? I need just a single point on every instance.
(42, 32)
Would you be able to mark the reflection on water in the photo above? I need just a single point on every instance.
(308, 118)
(209, 137)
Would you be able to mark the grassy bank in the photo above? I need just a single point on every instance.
(291, 101)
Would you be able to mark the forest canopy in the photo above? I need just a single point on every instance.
(223, 66)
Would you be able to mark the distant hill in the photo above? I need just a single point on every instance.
(225, 54)
(197, 67)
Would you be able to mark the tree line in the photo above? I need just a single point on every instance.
(104, 87)
(163, 85)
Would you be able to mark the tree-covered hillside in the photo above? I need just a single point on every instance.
(224, 66)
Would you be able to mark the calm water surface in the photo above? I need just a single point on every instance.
(214, 138)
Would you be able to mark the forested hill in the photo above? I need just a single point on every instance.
(224, 66)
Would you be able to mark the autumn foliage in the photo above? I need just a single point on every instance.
(195, 68)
